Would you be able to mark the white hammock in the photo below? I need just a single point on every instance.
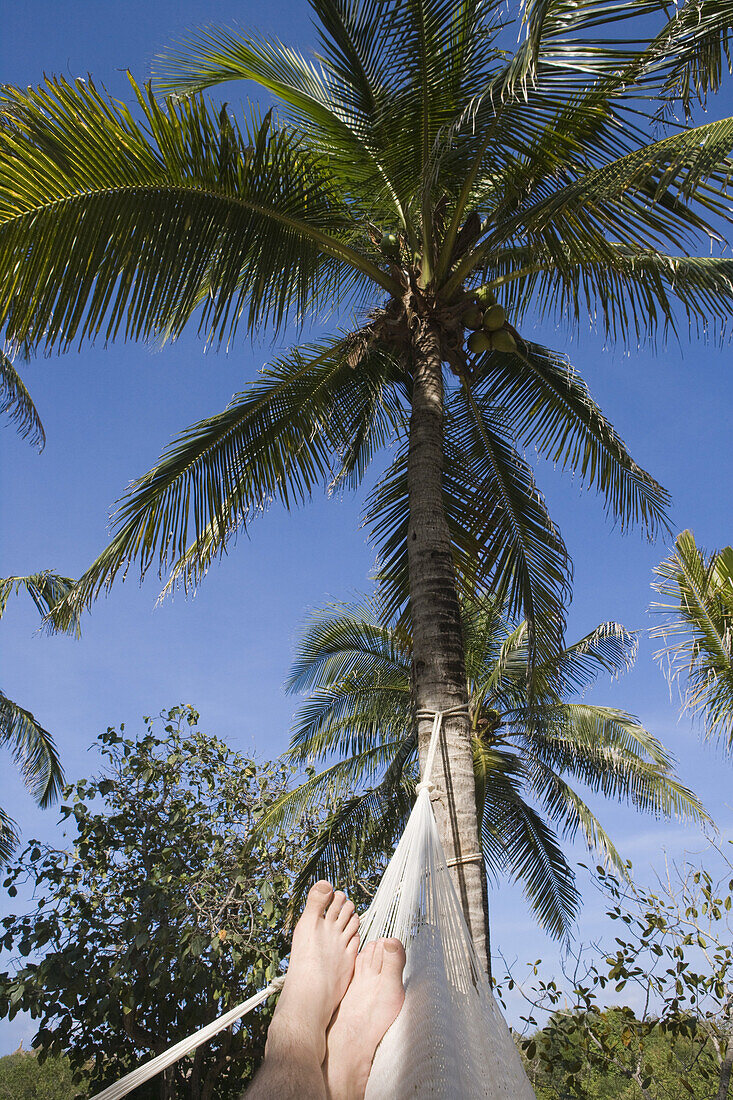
(450, 1041)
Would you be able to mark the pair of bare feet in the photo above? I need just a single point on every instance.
(335, 1006)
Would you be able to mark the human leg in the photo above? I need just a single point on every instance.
(325, 944)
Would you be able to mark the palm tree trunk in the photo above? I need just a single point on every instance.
(438, 671)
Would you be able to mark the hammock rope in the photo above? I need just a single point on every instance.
(449, 1040)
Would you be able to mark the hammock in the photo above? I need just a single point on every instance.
(450, 1040)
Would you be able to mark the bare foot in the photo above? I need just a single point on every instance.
(372, 1003)
(325, 943)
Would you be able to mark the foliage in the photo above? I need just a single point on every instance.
(24, 1077)
(532, 740)
(527, 170)
(159, 916)
(674, 957)
(32, 746)
(679, 1065)
(18, 404)
(698, 625)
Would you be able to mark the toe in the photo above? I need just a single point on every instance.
(351, 927)
(318, 898)
(336, 905)
(393, 960)
(347, 912)
(366, 955)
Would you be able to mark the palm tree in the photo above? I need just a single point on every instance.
(530, 741)
(419, 163)
(32, 746)
(698, 625)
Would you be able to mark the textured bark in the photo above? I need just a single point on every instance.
(439, 677)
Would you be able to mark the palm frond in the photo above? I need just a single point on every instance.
(362, 831)
(46, 589)
(17, 402)
(550, 410)
(521, 549)
(637, 293)
(664, 195)
(311, 420)
(332, 786)
(9, 836)
(110, 224)
(612, 754)
(514, 833)
(698, 625)
(609, 647)
(33, 751)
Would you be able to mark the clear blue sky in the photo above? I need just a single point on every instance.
(109, 412)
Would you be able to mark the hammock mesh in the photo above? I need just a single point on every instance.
(450, 1040)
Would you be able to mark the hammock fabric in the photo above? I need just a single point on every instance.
(450, 1041)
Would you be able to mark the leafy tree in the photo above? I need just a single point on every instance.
(680, 1065)
(32, 746)
(423, 165)
(531, 742)
(159, 916)
(24, 1077)
(674, 955)
(698, 624)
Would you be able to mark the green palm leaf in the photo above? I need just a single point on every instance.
(155, 214)
(33, 750)
(312, 420)
(698, 625)
(17, 402)
(551, 410)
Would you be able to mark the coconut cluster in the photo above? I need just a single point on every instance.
(487, 319)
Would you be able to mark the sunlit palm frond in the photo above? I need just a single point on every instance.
(329, 787)
(351, 717)
(342, 640)
(18, 403)
(697, 606)
(611, 753)
(610, 648)
(667, 194)
(154, 212)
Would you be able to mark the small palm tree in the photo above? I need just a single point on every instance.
(531, 743)
(32, 746)
(426, 174)
(698, 625)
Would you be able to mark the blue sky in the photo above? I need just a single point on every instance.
(109, 412)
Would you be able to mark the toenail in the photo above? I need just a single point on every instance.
(392, 945)
(324, 887)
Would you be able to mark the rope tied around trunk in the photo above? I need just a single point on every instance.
(437, 716)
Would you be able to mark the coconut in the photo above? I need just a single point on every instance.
(494, 318)
(479, 342)
(503, 341)
(484, 295)
(473, 317)
(390, 244)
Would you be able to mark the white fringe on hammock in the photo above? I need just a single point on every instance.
(450, 1041)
